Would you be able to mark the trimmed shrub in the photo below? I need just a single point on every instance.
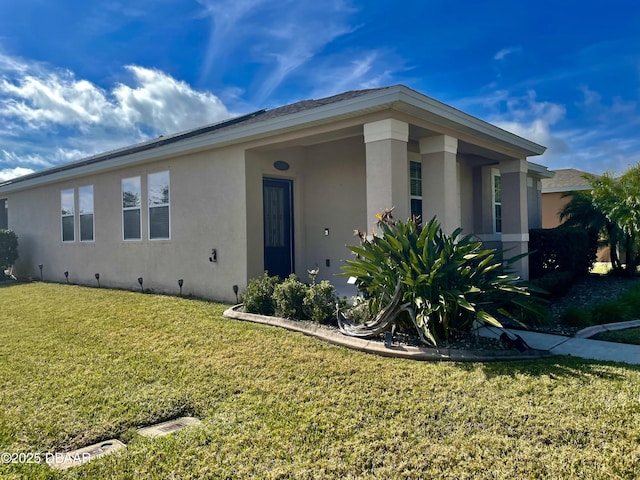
(556, 284)
(610, 312)
(576, 317)
(564, 249)
(259, 295)
(320, 301)
(288, 298)
(8, 250)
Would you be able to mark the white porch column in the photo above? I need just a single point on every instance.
(440, 187)
(515, 218)
(387, 169)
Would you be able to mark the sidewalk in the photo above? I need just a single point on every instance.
(574, 346)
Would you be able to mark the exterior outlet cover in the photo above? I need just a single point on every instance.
(326, 232)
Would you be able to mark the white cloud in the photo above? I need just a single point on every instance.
(280, 36)
(506, 51)
(9, 173)
(49, 116)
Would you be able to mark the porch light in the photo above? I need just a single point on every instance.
(140, 282)
(40, 267)
(66, 275)
(180, 283)
(98, 279)
(214, 256)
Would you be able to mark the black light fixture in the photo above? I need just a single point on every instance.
(180, 283)
(40, 267)
(235, 290)
(66, 275)
(214, 256)
(98, 279)
(140, 282)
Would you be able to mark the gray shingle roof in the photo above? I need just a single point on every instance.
(566, 179)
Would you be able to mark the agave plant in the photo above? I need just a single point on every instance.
(441, 282)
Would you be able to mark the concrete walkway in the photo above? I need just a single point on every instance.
(576, 346)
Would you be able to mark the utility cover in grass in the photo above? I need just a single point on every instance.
(83, 455)
(165, 428)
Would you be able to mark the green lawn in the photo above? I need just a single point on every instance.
(629, 335)
(79, 365)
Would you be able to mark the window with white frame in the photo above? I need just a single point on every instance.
(496, 186)
(415, 181)
(67, 210)
(131, 208)
(85, 210)
(159, 215)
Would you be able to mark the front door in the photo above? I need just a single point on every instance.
(277, 198)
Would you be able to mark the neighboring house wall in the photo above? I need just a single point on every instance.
(552, 204)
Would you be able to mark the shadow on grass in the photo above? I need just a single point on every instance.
(556, 367)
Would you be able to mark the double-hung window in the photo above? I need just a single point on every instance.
(85, 207)
(496, 186)
(159, 215)
(415, 180)
(131, 208)
(67, 209)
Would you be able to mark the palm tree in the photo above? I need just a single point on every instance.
(581, 212)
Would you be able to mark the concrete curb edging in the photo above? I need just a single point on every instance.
(378, 348)
(607, 327)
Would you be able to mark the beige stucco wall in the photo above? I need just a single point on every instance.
(552, 203)
(207, 211)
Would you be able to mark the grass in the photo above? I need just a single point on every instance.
(79, 365)
(629, 335)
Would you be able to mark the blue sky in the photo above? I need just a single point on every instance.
(79, 78)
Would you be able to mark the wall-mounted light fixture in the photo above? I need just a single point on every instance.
(140, 280)
(214, 256)
(98, 279)
(180, 283)
(40, 267)
(66, 276)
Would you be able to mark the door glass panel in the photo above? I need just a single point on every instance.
(274, 217)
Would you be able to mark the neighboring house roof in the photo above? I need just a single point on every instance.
(566, 180)
(296, 116)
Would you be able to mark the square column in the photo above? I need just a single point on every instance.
(387, 169)
(440, 186)
(515, 217)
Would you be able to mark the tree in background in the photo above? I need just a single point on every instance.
(611, 206)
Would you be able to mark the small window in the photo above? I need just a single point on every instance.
(158, 191)
(415, 180)
(497, 202)
(85, 205)
(131, 205)
(67, 209)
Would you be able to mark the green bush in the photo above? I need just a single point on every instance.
(259, 295)
(576, 317)
(611, 312)
(288, 298)
(555, 283)
(320, 301)
(8, 250)
(443, 282)
(631, 298)
(566, 249)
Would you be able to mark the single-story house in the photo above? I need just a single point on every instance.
(555, 190)
(280, 190)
